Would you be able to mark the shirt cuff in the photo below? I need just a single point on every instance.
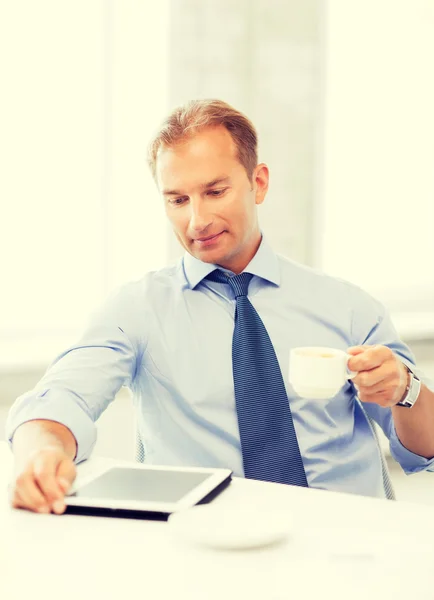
(55, 405)
(409, 461)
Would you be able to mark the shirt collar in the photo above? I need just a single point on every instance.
(264, 264)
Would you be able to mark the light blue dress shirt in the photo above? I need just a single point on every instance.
(168, 337)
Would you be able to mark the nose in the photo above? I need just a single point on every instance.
(200, 219)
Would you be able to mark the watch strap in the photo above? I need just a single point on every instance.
(412, 391)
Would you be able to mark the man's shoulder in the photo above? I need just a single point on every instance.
(295, 270)
(313, 279)
(149, 291)
(168, 277)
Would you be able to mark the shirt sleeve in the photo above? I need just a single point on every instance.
(372, 325)
(84, 379)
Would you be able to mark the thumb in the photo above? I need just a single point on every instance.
(355, 350)
(66, 473)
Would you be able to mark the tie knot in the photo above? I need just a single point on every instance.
(239, 283)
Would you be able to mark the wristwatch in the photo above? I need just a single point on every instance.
(412, 392)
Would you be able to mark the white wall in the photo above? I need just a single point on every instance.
(52, 124)
(85, 83)
(265, 58)
(83, 86)
(378, 169)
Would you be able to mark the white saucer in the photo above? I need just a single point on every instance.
(230, 528)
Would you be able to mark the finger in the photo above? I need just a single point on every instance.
(370, 359)
(66, 474)
(375, 390)
(379, 376)
(382, 398)
(45, 467)
(17, 501)
(355, 350)
(29, 494)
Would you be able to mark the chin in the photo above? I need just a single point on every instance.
(209, 257)
(216, 254)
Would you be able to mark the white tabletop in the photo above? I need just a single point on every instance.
(342, 546)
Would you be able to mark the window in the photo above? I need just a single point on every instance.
(84, 86)
(378, 176)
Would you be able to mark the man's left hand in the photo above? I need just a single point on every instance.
(382, 377)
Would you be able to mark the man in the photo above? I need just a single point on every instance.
(205, 350)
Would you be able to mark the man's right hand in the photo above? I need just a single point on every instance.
(44, 466)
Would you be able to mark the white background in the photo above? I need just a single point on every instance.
(84, 84)
(378, 174)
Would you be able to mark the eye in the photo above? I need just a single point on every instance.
(178, 201)
(216, 193)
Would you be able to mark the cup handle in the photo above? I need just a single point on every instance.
(351, 374)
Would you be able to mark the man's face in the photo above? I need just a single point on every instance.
(209, 199)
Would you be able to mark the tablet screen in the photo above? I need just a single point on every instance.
(142, 485)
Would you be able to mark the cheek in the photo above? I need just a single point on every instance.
(178, 222)
(245, 215)
(236, 210)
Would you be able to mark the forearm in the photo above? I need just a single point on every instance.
(415, 426)
(38, 434)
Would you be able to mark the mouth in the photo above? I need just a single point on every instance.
(208, 240)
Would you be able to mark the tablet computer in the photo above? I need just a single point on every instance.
(143, 490)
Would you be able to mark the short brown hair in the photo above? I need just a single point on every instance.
(187, 120)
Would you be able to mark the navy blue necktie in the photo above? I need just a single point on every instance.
(268, 439)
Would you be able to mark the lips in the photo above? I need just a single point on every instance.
(208, 240)
(205, 239)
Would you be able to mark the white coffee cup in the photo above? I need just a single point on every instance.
(318, 372)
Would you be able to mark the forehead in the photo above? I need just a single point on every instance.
(199, 159)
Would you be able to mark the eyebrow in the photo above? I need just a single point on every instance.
(204, 186)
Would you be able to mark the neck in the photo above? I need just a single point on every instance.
(239, 263)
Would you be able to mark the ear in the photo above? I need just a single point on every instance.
(260, 182)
